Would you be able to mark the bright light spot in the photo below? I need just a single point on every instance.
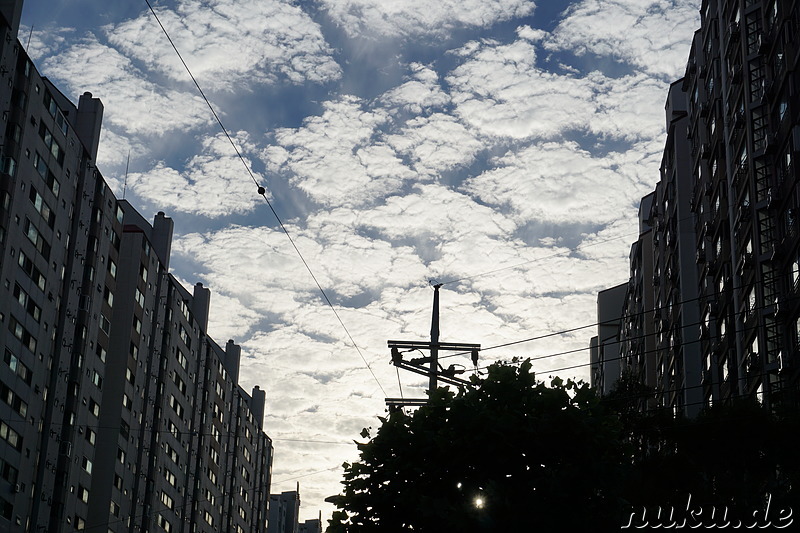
(479, 503)
(458, 485)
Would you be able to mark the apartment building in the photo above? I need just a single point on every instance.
(726, 266)
(117, 412)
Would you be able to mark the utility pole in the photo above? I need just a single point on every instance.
(434, 368)
(434, 371)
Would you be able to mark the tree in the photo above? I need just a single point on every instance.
(507, 452)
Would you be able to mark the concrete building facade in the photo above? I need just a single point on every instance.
(118, 412)
(725, 254)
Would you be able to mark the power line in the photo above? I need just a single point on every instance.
(262, 191)
(556, 254)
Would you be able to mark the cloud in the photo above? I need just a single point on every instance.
(213, 183)
(649, 35)
(421, 92)
(499, 91)
(114, 148)
(557, 183)
(42, 43)
(625, 107)
(132, 103)
(420, 18)
(339, 158)
(230, 42)
(435, 144)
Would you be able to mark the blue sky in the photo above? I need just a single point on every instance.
(503, 143)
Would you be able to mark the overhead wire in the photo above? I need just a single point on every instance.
(564, 252)
(262, 191)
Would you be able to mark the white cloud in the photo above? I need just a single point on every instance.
(421, 92)
(338, 158)
(558, 183)
(114, 149)
(213, 183)
(436, 143)
(418, 17)
(42, 43)
(132, 103)
(230, 42)
(650, 35)
(500, 91)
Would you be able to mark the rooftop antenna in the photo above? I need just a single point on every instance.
(30, 33)
(127, 166)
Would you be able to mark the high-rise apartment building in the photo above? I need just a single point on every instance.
(117, 412)
(725, 292)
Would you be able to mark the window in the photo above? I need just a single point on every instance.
(139, 298)
(83, 494)
(97, 379)
(171, 453)
(22, 334)
(173, 429)
(182, 360)
(184, 335)
(109, 297)
(212, 476)
(91, 436)
(127, 403)
(30, 269)
(41, 207)
(86, 464)
(130, 376)
(8, 472)
(170, 477)
(176, 406)
(13, 400)
(27, 303)
(41, 167)
(114, 508)
(105, 324)
(36, 238)
(179, 383)
(94, 407)
(168, 502)
(17, 366)
(164, 524)
(117, 482)
(10, 436)
(209, 519)
(121, 455)
(112, 268)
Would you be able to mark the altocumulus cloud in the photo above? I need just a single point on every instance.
(231, 42)
(212, 183)
(420, 17)
(133, 103)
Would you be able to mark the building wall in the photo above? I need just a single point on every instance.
(725, 258)
(118, 412)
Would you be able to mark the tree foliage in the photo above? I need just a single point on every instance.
(510, 453)
(507, 452)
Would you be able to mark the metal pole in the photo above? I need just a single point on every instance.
(434, 340)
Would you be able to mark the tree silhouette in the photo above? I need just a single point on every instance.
(504, 453)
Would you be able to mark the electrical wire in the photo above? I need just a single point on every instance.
(564, 252)
(263, 193)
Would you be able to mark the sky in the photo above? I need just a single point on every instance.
(499, 147)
